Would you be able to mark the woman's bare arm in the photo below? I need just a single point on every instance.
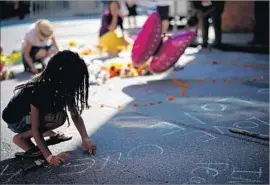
(114, 23)
(55, 44)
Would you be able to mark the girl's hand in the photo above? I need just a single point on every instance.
(63, 155)
(56, 160)
(34, 70)
(89, 145)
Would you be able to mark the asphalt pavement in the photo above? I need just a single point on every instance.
(144, 137)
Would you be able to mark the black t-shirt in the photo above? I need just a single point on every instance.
(19, 105)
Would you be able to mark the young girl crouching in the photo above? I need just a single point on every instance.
(41, 105)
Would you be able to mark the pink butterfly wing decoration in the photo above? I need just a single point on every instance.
(147, 40)
(170, 51)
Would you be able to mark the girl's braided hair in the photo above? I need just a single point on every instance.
(67, 78)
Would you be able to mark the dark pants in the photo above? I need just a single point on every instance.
(163, 12)
(33, 52)
(131, 10)
(216, 21)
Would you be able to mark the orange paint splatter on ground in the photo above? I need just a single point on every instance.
(202, 80)
(254, 78)
(135, 105)
(183, 92)
(178, 83)
(239, 80)
(170, 98)
(227, 80)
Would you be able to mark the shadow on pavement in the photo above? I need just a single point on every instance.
(23, 76)
(170, 141)
(246, 48)
(133, 31)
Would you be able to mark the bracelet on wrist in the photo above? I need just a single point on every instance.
(49, 158)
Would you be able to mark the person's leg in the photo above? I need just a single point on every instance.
(23, 139)
(40, 55)
(216, 18)
(51, 51)
(205, 27)
(165, 20)
(43, 53)
(134, 21)
(128, 16)
(164, 16)
(129, 22)
(34, 50)
(26, 66)
(133, 15)
(165, 26)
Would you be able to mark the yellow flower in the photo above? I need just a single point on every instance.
(3, 58)
(72, 43)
